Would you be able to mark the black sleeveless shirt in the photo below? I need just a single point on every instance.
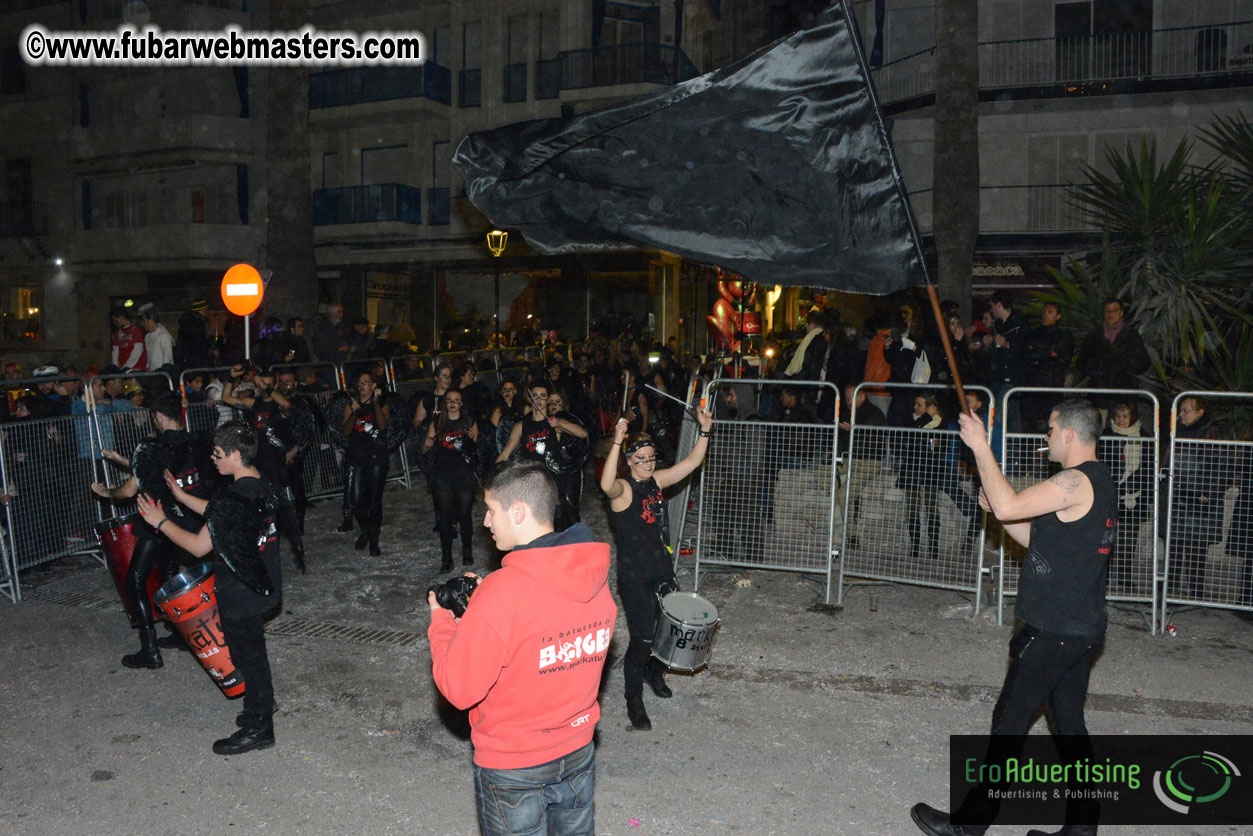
(1062, 587)
(454, 448)
(367, 444)
(538, 442)
(641, 536)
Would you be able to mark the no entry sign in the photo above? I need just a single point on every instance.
(242, 289)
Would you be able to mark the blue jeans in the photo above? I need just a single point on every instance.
(552, 799)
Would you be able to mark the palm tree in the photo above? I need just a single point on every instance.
(1178, 245)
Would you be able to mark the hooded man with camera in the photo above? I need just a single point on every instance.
(526, 659)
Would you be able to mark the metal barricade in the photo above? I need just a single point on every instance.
(677, 505)
(46, 467)
(1133, 463)
(1209, 511)
(381, 370)
(910, 516)
(487, 364)
(767, 494)
(128, 429)
(207, 414)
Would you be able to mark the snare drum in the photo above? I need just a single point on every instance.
(117, 540)
(685, 631)
(188, 602)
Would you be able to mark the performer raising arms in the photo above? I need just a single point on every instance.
(171, 451)
(638, 511)
(241, 532)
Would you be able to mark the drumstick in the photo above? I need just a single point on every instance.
(626, 391)
(668, 395)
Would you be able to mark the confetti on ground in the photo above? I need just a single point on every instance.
(634, 823)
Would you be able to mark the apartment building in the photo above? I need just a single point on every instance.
(1059, 83)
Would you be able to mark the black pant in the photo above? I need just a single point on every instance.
(569, 495)
(1049, 669)
(639, 602)
(367, 495)
(245, 637)
(150, 553)
(296, 479)
(453, 494)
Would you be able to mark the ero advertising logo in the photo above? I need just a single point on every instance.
(1194, 779)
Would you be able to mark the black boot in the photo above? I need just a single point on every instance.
(300, 561)
(375, 551)
(346, 526)
(636, 713)
(148, 656)
(467, 558)
(1068, 830)
(258, 734)
(362, 540)
(655, 676)
(937, 823)
(446, 549)
(171, 641)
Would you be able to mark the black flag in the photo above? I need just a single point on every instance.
(777, 167)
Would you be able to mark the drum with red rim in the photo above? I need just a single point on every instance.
(188, 602)
(117, 540)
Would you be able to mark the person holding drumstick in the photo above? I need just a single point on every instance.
(645, 565)
(241, 531)
(173, 450)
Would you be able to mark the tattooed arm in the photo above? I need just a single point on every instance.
(1069, 493)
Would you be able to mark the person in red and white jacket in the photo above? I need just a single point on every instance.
(127, 349)
(526, 659)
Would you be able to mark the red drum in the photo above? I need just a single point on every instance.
(187, 601)
(117, 538)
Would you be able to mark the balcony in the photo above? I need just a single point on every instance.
(1014, 210)
(375, 203)
(629, 64)
(363, 85)
(439, 206)
(171, 246)
(199, 135)
(23, 219)
(1190, 57)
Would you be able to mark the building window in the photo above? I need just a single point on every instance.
(470, 79)
(21, 313)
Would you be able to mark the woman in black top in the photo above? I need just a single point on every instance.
(573, 452)
(638, 511)
(452, 442)
(365, 423)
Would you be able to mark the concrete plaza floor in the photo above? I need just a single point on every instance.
(809, 720)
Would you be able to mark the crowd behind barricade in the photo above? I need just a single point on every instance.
(505, 391)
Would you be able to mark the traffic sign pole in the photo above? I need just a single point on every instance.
(242, 289)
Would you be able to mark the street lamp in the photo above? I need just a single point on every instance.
(496, 241)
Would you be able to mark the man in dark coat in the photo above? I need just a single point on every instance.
(1113, 355)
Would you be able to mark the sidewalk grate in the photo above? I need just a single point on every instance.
(289, 627)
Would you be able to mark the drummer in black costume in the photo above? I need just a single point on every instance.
(365, 422)
(240, 531)
(645, 565)
(452, 442)
(268, 411)
(535, 436)
(175, 451)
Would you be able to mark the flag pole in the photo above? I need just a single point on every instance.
(932, 293)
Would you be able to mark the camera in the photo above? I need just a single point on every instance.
(454, 593)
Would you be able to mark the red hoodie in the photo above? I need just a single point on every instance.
(528, 653)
